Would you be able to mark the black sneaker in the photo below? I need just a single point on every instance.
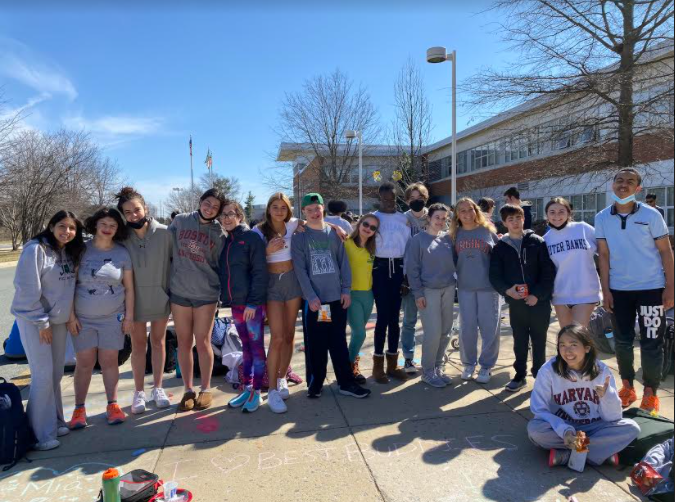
(313, 394)
(355, 390)
(409, 367)
(515, 385)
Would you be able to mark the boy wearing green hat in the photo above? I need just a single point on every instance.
(322, 268)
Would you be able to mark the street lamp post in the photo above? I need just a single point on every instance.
(352, 135)
(440, 55)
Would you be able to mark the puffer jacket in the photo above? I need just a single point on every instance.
(243, 269)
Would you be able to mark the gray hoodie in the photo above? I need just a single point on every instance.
(420, 224)
(196, 249)
(151, 260)
(429, 263)
(44, 284)
(321, 264)
(472, 250)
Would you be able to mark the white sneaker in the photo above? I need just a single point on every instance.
(47, 445)
(467, 373)
(160, 398)
(276, 402)
(62, 431)
(138, 404)
(282, 387)
(484, 375)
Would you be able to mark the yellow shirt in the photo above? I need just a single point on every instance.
(361, 264)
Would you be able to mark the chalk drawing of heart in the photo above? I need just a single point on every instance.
(227, 465)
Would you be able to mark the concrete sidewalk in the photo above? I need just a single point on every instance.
(407, 442)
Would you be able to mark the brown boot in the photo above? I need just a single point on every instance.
(360, 379)
(378, 369)
(392, 367)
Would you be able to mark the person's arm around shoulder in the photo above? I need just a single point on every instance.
(659, 231)
(541, 400)
(301, 271)
(345, 271)
(610, 402)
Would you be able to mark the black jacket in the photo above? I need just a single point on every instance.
(243, 269)
(534, 267)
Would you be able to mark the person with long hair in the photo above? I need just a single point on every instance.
(103, 311)
(474, 237)
(284, 295)
(150, 246)
(572, 247)
(198, 240)
(360, 248)
(243, 288)
(44, 285)
(574, 393)
(430, 268)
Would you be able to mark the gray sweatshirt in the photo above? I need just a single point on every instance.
(44, 285)
(429, 263)
(196, 249)
(321, 265)
(472, 250)
(151, 260)
(417, 225)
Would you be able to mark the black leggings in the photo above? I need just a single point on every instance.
(387, 280)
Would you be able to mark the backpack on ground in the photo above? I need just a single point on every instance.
(171, 345)
(16, 435)
(600, 325)
(653, 431)
(137, 486)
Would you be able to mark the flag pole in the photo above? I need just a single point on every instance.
(192, 172)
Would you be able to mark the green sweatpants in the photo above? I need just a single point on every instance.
(358, 315)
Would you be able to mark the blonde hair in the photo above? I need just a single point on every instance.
(266, 226)
(481, 221)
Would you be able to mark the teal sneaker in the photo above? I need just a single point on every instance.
(253, 402)
(240, 400)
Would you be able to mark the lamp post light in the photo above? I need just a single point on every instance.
(357, 135)
(440, 55)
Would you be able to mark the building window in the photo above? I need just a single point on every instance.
(664, 199)
(586, 206)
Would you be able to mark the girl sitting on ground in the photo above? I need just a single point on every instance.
(575, 392)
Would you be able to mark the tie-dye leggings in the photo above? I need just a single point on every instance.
(253, 344)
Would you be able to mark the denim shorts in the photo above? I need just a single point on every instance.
(187, 302)
(283, 287)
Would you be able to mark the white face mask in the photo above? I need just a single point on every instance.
(619, 200)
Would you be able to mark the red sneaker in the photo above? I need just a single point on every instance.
(627, 394)
(115, 414)
(78, 420)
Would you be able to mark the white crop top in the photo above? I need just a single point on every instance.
(285, 253)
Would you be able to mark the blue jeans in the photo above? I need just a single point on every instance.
(409, 323)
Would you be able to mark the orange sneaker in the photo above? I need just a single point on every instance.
(627, 394)
(115, 414)
(78, 420)
(650, 403)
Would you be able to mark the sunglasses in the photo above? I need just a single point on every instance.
(369, 226)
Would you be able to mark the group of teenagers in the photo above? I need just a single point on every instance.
(134, 272)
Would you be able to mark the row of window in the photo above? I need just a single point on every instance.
(536, 141)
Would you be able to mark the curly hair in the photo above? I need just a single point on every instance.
(107, 212)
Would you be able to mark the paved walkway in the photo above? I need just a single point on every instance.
(407, 442)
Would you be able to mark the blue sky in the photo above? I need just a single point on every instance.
(142, 80)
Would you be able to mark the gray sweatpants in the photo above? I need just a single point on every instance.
(437, 324)
(46, 361)
(479, 309)
(607, 438)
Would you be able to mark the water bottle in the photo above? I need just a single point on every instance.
(610, 339)
(111, 486)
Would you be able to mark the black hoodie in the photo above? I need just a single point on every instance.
(243, 269)
(533, 267)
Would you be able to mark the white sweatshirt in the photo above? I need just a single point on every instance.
(566, 404)
(572, 250)
(393, 235)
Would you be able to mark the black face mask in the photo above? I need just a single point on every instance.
(204, 217)
(560, 227)
(417, 205)
(137, 225)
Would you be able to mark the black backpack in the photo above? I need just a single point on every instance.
(653, 431)
(16, 435)
(171, 347)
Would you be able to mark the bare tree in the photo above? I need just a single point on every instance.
(411, 127)
(229, 186)
(319, 115)
(610, 60)
(183, 200)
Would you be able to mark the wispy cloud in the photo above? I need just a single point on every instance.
(19, 62)
(116, 125)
